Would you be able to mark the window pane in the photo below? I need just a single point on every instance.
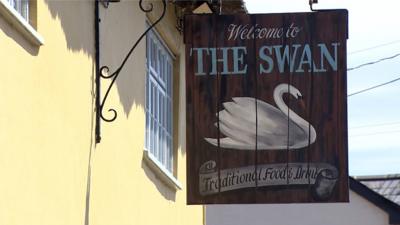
(153, 102)
(21, 6)
(148, 53)
(152, 117)
(164, 115)
(156, 106)
(147, 95)
(147, 130)
(17, 5)
(12, 3)
(169, 117)
(155, 147)
(151, 135)
(25, 9)
(170, 158)
(161, 149)
(157, 59)
(168, 78)
(160, 106)
(154, 55)
(161, 134)
(161, 74)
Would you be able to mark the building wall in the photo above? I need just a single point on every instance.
(358, 211)
(47, 123)
(123, 181)
(46, 116)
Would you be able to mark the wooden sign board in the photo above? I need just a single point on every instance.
(266, 108)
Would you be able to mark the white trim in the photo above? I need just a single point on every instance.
(160, 170)
(154, 80)
(20, 23)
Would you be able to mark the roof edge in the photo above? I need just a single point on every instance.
(392, 209)
(377, 177)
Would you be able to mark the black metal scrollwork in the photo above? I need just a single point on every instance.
(104, 70)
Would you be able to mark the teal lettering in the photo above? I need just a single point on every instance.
(306, 54)
(224, 60)
(285, 58)
(265, 57)
(238, 53)
(325, 54)
(200, 69)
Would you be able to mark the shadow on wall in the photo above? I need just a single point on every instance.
(12, 33)
(165, 191)
(120, 27)
(76, 19)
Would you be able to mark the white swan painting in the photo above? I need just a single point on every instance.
(238, 123)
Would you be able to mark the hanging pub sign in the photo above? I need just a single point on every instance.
(266, 108)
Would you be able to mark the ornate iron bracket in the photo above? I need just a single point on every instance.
(103, 72)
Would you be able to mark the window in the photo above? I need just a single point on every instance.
(21, 6)
(159, 104)
(21, 14)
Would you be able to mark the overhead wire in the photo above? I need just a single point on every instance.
(373, 87)
(374, 47)
(373, 62)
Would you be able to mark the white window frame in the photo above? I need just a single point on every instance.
(159, 149)
(11, 10)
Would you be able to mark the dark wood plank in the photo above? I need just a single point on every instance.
(201, 106)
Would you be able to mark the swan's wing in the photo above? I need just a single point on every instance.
(230, 143)
(241, 135)
(240, 112)
(234, 126)
(234, 144)
(270, 119)
(249, 135)
(238, 122)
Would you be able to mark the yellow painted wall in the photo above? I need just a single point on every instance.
(47, 123)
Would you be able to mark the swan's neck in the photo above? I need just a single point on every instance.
(278, 98)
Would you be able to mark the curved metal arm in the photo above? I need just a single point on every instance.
(113, 76)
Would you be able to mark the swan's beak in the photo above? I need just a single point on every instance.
(302, 104)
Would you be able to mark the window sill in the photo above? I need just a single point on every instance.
(20, 24)
(161, 172)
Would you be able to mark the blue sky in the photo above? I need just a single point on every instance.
(373, 116)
